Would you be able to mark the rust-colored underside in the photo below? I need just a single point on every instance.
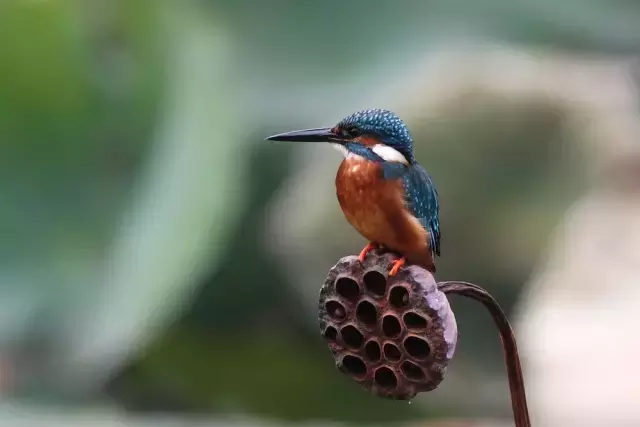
(376, 208)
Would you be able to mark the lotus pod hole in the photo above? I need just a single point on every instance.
(372, 351)
(348, 289)
(354, 366)
(335, 309)
(375, 283)
(391, 326)
(385, 378)
(391, 352)
(412, 371)
(399, 297)
(330, 333)
(352, 337)
(413, 320)
(367, 314)
(416, 347)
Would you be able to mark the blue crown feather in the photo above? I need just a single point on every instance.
(384, 125)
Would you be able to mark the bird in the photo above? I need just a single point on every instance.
(384, 193)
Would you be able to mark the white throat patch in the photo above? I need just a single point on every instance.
(346, 153)
(389, 154)
(341, 148)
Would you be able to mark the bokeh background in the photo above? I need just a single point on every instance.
(160, 262)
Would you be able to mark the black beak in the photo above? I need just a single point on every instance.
(307, 135)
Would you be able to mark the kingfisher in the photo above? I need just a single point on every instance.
(382, 190)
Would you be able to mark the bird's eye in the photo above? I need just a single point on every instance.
(347, 132)
(354, 131)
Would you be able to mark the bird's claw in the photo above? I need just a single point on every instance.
(396, 265)
(363, 254)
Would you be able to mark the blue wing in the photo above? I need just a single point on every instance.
(420, 196)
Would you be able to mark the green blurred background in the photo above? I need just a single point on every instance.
(139, 236)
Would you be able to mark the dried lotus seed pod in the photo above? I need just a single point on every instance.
(393, 335)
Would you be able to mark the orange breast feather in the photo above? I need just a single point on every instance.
(375, 207)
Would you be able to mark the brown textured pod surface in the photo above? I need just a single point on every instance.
(393, 335)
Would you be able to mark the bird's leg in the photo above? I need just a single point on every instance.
(396, 266)
(363, 254)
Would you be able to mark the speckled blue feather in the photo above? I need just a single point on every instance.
(385, 125)
(421, 197)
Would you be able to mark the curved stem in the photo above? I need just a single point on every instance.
(509, 347)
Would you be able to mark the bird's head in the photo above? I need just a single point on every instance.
(376, 134)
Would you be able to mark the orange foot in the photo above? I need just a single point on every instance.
(396, 266)
(363, 254)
